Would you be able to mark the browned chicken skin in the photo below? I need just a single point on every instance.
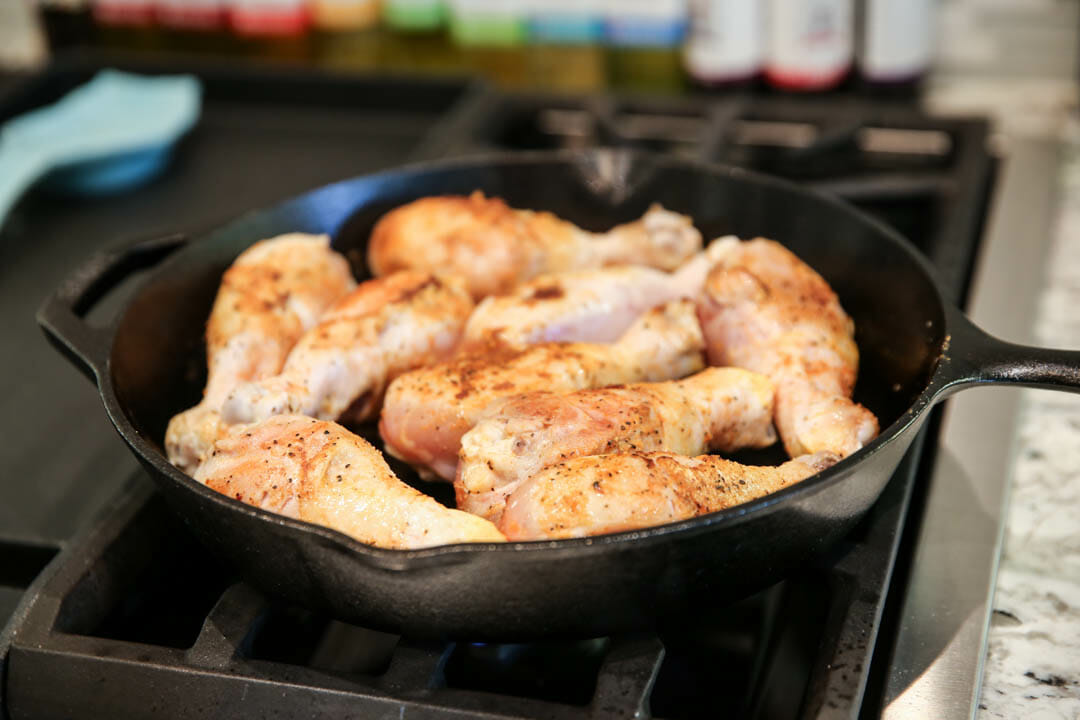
(428, 410)
(766, 310)
(320, 472)
(339, 368)
(723, 409)
(495, 247)
(274, 291)
(601, 494)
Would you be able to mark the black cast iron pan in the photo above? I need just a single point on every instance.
(915, 349)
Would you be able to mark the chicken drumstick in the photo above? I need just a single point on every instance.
(273, 292)
(723, 409)
(609, 493)
(339, 368)
(495, 247)
(320, 472)
(587, 305)
(766, 310)
(428, 410)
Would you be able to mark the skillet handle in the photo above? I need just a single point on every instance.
(62, 314)
(975, 357)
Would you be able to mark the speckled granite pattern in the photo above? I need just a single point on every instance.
(1033, 662)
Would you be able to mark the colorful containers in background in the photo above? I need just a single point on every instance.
(580, 45)
(809, 45)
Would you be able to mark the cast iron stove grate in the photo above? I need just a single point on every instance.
(135, 618)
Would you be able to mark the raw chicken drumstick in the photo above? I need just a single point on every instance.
(428, 410)
(340, 368)
(764, 309)
(609, 493)
(272, 293)
(587, 305)
(496, 247)
(724, 409)
(320, 472)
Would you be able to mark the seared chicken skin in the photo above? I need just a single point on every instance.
(609, 493)
(428, 410)
(339, 368)
(496, 247)
(320, 472)
(724, 409)
(272, 293)
(587, 305)
(764, 309)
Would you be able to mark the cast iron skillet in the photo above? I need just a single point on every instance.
(915, 348)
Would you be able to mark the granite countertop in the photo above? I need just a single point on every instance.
(1033, 660)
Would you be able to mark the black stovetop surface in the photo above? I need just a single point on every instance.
(133, 617)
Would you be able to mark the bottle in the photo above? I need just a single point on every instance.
(268, 18)
(487, 23)
(193, 26)
(726, 42)
(810, 43)
(344, 15)
(565, 51)
(897, 46)
(644, 38)
(194, 15)
(566, 22)
(127, 24)
(414, 15)
(414, 38)
(124, 13)
(491, 35)
(346, 33)
(269, 29)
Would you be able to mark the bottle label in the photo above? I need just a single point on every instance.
(726, 39)
(897, 41)
(810, 42)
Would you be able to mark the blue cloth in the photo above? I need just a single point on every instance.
(109, 134)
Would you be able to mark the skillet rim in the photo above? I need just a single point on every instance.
(406, 559)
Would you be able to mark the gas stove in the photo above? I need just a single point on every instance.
(112, 609)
